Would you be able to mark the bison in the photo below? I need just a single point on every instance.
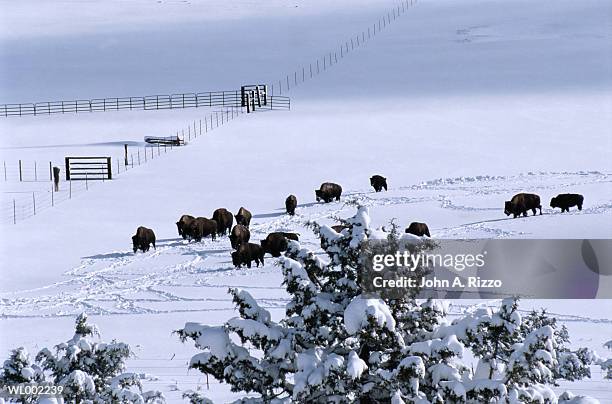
(521, 203)
(328, 192)
(566, 201)
(224, 219)
(240, 234)
(243, 217)
(339, 227)
(291, 236)
(418, 229)
(277, 242)
(378, 182)
(183, 225)
(291, 204)
(202, 227)
(246, 253)
(143, 239)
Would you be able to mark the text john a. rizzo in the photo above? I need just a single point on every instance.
(434, 282)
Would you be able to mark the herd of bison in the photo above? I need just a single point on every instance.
(222, 223)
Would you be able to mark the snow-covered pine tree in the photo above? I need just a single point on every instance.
(196, 398)
(92, 371)
(570, 365)
(606, 365)
(18, 369)
(336, 344)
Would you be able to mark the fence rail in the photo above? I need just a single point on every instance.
(18, 204)
(231, 99)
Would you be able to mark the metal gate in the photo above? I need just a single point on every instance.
(88, 168)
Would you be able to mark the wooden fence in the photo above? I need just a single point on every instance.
(19, 204)
(88, 168)
(229, 99)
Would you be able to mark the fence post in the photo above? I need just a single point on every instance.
(14, 212)
(126, 153)
(132, 158)
(118, 166)
(86, 183)
(52, 202)
(70, 189)
(138, 155)
(50, 172)
(35, 172)
(200, 127)
(109, 169)
(34, 200)
(145, 153)
(20, 175)
(217, 118)
(205, 125)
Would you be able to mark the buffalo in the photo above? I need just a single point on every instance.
(378, 182)
(183, 225)
(143, 239)
(277, 242)
(202, 227)
(418, 229)
(240, 234)
(521, 203)
(566, 201)
(224, 219)
(291, 236)
(339, 227)
(328, 192)
(291, 204)
(246, 253)
(243, 217)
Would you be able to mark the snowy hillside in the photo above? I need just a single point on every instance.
(459, 104)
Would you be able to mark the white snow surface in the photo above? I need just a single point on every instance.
(459, 104)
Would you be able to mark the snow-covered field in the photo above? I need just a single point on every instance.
(459, 104)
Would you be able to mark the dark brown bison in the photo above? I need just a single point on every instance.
(274, 244)
(202, 227)
(143, 239)
(378, 182)
(240, 234)
(291, 204)
(224, 219)
(566, 201)
(521, 203)
(183, 225)
(243, 217)
(418, 229)
(328, 192)
(291, 236)
(339, 227)
(246, 253)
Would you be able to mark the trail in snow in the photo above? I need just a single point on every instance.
(181, 276)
